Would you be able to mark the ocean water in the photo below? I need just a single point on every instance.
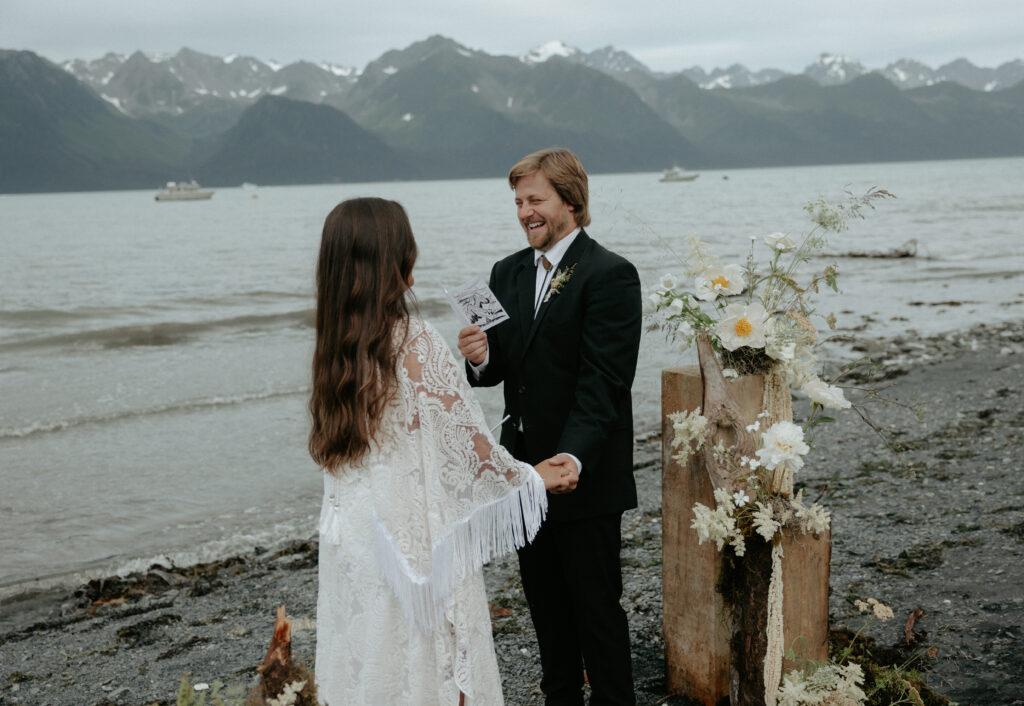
(154, 357)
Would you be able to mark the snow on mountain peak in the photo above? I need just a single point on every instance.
(538, 55)
(344, 71)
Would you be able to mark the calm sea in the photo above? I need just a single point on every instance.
(154, 357)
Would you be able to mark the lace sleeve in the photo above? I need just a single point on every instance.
(453, 415)
(468, 499)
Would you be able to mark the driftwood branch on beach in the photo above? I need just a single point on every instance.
(907, 249)
(279, 672)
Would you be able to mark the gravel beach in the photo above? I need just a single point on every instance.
(936, 524)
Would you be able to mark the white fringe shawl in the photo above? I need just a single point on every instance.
(490, 531)
(443, 503)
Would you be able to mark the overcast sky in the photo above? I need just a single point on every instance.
(667, 35)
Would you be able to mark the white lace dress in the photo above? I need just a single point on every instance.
(402, 614)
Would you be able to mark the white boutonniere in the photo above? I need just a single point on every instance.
(560, 279)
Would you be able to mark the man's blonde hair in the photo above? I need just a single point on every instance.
(563, 169)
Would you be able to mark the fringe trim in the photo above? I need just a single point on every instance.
(489, 531)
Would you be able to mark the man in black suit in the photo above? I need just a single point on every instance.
(567, 357)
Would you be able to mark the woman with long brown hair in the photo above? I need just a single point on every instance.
(417, 494)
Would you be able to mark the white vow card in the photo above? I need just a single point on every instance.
(475, 304)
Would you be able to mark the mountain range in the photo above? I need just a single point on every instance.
(438, 109)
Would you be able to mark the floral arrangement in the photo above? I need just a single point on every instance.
(756, 318)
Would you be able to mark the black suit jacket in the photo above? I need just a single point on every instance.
(568, 372)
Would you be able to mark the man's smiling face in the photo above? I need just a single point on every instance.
(542, 213)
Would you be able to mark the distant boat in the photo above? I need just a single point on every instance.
(182, 191)
(678, 174)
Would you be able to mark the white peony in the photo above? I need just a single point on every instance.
(780, 242)
(783, 443)
(742, 325)
(801, 368)
(826, 395)
(719, 280)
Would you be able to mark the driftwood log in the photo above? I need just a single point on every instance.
(714, 603)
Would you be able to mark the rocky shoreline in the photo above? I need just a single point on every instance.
(934, 520)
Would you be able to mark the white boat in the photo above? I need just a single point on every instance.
(678, 174)
(182, 191)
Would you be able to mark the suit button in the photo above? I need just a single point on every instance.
(522, 389)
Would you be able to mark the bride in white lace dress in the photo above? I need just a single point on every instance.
(417, 494)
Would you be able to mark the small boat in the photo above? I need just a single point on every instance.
(182, 191)
(678, 174)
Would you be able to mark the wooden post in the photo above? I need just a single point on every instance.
(696, 622)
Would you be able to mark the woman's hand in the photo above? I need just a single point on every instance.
(559, 474)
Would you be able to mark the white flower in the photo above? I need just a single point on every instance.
(794, 691)
(783, 443)
(738, 545)
(721, 453)
(881, 610)
(719, 280)
(685, 334)
(742, 325)
(814, 519)
(740, 498)
(668, 282)
(780, 242)
(801, 368)
(652, 302)
(713, 525)
(850, 677)
(289, 695)
(754, 427)
(780, 338)
(824, 394)
(676, 307)
(765, 525)
(688, 433)
(724, 500)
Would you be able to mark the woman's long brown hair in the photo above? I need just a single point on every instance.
(366, 256)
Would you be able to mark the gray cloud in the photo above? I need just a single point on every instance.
(667, 35)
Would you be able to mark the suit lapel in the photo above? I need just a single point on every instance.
(572, 256)
(526, 285)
